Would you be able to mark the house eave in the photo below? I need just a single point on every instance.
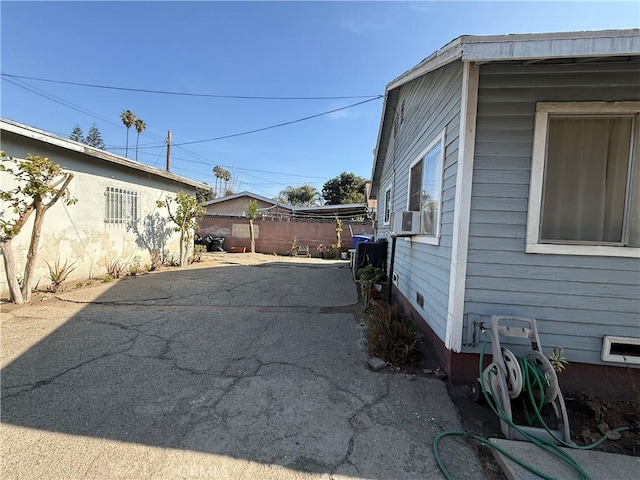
(46, 137)
(529, 47)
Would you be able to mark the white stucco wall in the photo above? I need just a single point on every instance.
(78, 233)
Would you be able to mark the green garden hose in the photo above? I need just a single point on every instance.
(534, 382)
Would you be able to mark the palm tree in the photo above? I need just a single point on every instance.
(305, 195)
(140, 126)
(128, 118)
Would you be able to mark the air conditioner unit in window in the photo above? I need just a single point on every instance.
(405, 223)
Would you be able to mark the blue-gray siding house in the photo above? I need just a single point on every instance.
(520, 155)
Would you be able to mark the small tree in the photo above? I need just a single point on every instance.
(40, 184)
(252, 214)
(338, 233)
(188, 211)
(76, 134)
(345, 188)
(94, 138)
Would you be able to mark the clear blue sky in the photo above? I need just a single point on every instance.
(282, 49)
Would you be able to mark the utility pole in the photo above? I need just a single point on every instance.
(169, 151)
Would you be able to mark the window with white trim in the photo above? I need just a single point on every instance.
(585, 179)
(387, 206)
(425, 187)
(121, 206)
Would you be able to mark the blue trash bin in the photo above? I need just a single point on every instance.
(359, 239)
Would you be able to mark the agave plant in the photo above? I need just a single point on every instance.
(115, 268)
(59, 273)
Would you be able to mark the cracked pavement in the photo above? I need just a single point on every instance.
(219, 370)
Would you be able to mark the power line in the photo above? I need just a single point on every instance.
(187, 94)
(70, 105)
(66, 103)
(242, 169)
(60, 101)
(271, 126)
(87, 112)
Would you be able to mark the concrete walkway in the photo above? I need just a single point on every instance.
(220, 371)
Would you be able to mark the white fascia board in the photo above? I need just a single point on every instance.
(472, 48)
(45, 137)
(386, 120)
(40, 136)
(444, 56)
(462, 207)
(529, 47)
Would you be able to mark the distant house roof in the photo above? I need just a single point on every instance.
(247, 194)
(575, 47)
(50, 138)
(329, 211)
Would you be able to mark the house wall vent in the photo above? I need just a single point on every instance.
(405, 223)
(621, 349)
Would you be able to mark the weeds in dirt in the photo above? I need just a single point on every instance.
(391, 336)
(107, 278)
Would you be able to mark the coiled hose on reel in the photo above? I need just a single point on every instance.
(534, 383)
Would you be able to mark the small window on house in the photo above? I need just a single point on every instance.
(121, 206)
(589, 181)
(425, 187)
(387, 206)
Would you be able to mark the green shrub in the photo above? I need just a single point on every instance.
(134, 267)
(392, 337)
(331, 252)
(371, 274)
(107, 278)
(198, 250)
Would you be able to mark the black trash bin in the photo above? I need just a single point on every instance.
(216, 244)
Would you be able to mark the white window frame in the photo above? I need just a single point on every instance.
(607, 356)
(538, 161)
(386, 213)
(121, 197)
(422, 238)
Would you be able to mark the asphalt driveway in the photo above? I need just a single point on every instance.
(221, 371)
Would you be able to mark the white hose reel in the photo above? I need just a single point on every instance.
(504, 380)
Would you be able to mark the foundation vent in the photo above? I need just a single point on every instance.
(621, 349)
